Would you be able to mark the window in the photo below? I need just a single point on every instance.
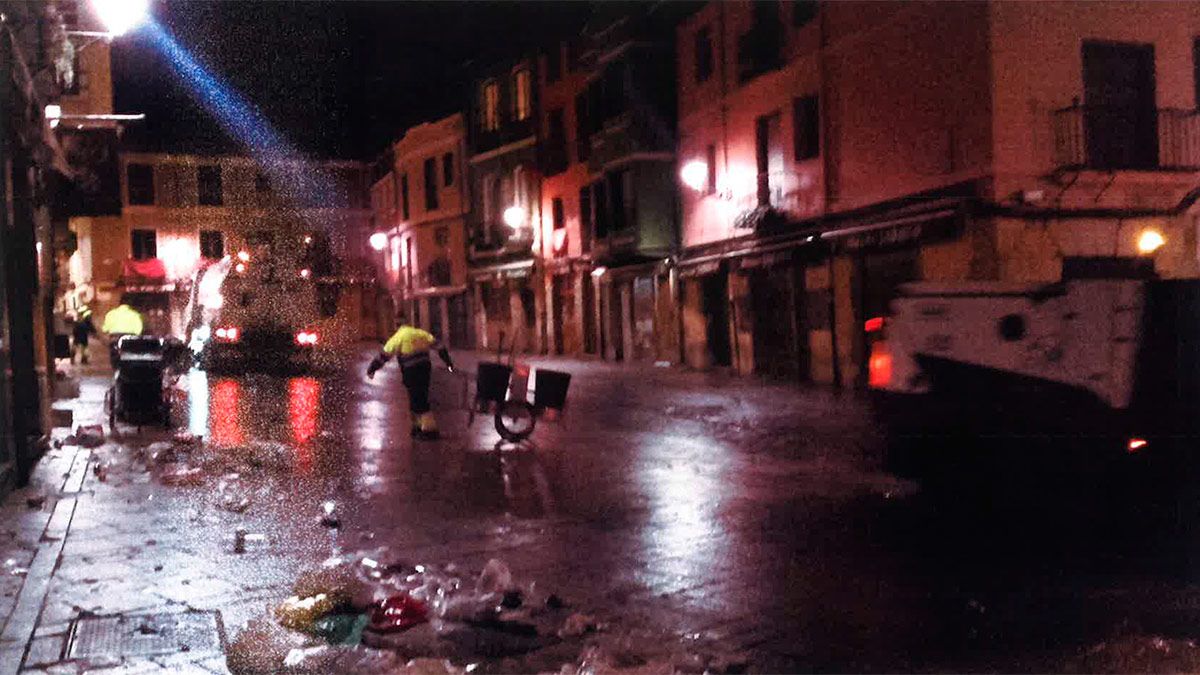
(212, 244)
(704, 54)
(710, 159)
(490, 106)
(585, 218)
(143, 244)
(523, 94)
(554, 63)
(769, 155)
(404, 196)
(557, 210)
(804, 11)
(210, 185)
(140, 178)
(448, 169)
(621, 196)
(600, 209)
(806, 127)
(556, 143)
(431, 184)
(583, 133)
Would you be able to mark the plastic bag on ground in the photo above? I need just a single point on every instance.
(302, 613)
(341, 629)
(495, 578)
(91, 436)
(338, 659)
(398, 613)
(260, 647)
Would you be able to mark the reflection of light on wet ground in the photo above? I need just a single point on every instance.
(304, 400)
(197, 387)
(373, 428)
(223, 418)
(685, 496)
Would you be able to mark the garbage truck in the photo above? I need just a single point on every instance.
(1085, 377)
(263, 308)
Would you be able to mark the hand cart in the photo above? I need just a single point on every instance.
(503, 390)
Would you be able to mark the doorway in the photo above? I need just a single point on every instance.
(772, 298)
(1120, 115)
(714, 289)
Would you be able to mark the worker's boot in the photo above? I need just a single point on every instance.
(428, 426)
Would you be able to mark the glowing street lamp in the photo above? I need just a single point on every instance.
(514, 217)
(1150, 241)
(121, 16)
(378, 241)
(694, 174)
(243, 256)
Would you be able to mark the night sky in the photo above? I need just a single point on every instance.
(337, 78)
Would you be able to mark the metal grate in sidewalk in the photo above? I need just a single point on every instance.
(145, 634)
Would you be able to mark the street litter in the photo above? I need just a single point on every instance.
(302, 613)
(181, 475)
(233, 495)
(91, 436)
(398, 613)
(36, 501)
(242, 540)
(577, 624)
(261, 647)
(329, 516)
(496, 578)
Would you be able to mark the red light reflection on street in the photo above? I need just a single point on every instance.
(304, 399)
(223, 413)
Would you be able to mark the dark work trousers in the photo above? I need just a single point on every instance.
(416, 380)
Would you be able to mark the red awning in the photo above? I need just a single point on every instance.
(141, 272)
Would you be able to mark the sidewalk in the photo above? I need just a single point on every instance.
(658, 505)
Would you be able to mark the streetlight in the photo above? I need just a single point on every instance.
(514, 217)
(378, 241)
(1150, 241)
(121, 16)
(694, 174)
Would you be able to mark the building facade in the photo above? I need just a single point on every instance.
(609, 215)
(182, 212)
(985, 140)
(420, 200)
(503, 233)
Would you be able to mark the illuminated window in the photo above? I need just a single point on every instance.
(490, 104)
(523, 90)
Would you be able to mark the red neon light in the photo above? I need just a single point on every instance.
(873, 325)
(304, 403)
(224, 401)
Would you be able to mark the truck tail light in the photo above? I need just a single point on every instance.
(306, 338)
(879, 365)
(228, 333)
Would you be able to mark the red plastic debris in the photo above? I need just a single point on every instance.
(398, 613)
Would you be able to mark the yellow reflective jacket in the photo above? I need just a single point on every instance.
(410, 344)
(122, 320)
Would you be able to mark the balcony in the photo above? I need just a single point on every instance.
(1111, 138)
(631, 132)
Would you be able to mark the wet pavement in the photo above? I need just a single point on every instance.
(678, 504)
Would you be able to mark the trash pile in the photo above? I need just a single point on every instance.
(368, 613)
(1139, 654)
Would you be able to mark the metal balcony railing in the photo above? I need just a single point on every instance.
(1115, 138)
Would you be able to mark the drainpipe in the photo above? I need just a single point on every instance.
(827, 168)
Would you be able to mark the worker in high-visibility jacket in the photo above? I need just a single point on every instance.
(120, 321)
(411, 346)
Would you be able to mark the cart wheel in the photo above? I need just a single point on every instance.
(515, 420)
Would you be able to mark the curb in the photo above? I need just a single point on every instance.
(19, 631)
